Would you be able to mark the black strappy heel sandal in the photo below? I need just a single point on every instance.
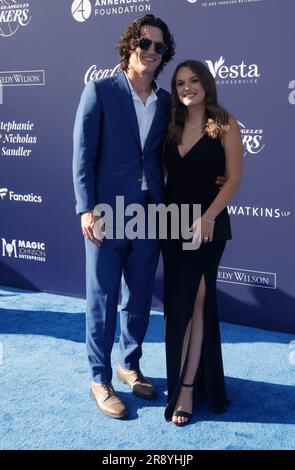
(183, 414)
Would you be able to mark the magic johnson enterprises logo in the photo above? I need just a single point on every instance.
(22, 249)
(82, 10)
(16, 197)
(13, 15)
(95, 73)
(233, 74)
(247, 277)
(252, 140)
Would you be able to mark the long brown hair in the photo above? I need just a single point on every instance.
(216, 116)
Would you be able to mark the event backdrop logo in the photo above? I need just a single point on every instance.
(3, 192)
(13, 14)
(292, 93)
(18, 138)
(223, 3)
(252, 140)
(256, 211)
(95, 73)
(233, 74)
(82, 9)
(22, 78)
(22, 249)
(15, 197)
(247, 277)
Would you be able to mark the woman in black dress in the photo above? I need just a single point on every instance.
(203, 142)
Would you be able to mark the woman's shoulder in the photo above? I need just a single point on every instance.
(232, 121)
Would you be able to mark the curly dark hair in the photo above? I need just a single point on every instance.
(128, 42)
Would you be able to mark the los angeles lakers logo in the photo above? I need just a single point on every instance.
(13, 14)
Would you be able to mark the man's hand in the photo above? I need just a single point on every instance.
(88, 221)
(220, 180)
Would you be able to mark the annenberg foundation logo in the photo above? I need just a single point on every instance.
(95, 73)
(252, 140)
(233, 74)
(82, 10)
(13, 14)
(23, 249)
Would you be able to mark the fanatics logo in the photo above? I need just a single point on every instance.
(3, 192)
(12, 196)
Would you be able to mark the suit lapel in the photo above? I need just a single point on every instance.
(124, 94)
(158, 120)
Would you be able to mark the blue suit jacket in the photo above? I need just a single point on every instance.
(108, 158)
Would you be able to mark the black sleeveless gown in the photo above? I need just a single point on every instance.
(191, 180)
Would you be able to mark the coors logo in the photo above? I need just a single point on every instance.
(13, 14)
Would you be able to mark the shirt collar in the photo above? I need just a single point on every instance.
(155, 88)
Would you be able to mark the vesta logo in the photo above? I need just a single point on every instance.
(242, 70)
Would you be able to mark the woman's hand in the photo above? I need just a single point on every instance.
(203, 230)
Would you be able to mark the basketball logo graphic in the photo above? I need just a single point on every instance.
(12, 15)
(81, 10)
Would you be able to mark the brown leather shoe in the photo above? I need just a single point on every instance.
(107, 400)
(139, 385)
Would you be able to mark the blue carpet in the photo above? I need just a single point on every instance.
(45, 381)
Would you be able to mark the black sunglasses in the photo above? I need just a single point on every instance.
(145, 44)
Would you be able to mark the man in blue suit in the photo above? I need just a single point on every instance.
(119, 130)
